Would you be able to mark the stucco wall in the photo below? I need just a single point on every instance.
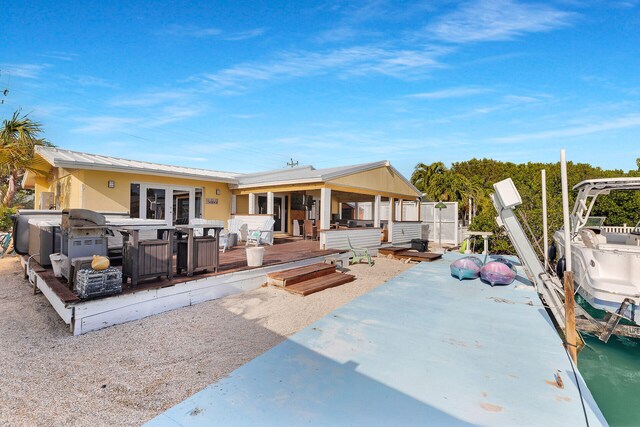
(89, 189)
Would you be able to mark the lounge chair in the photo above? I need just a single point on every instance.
(359, 254)
(262, 235)
(238, 227)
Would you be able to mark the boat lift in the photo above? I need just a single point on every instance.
(547, 284)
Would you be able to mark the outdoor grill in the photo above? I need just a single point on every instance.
(83, 236)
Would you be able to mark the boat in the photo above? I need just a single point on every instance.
(466, 268)
(605, 260)
(498, 272)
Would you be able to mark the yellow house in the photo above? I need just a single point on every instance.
(145, 190)
(177, 194)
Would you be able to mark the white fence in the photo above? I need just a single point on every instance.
(624, 229)
(405, 231)
(368, 237)
(448, 217)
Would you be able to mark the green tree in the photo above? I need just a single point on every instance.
(18, 138)
(480, 175)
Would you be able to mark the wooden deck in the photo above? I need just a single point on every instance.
(233, 260)
(404, 253)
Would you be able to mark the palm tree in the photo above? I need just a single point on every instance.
(425, 176)
(18, 138)
(439, 183)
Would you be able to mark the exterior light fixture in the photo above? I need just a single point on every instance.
(111, 184)
(440, 206)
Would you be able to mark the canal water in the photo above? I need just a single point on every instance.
(612, 373)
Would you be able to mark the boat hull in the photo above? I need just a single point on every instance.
(606, 275)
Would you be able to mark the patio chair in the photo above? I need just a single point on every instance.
(310, 230)
(6, 246)
(262, 235)
(359, 254)
(238, 227)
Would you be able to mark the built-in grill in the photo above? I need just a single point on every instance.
(84, 234)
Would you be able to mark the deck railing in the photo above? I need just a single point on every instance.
(617, 229)
(405, 231)
(365, 237)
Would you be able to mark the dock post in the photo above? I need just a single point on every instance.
(570, 332)
(544, 220)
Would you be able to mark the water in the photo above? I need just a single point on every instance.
(612, 373)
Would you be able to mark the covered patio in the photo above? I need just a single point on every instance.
(344, 204)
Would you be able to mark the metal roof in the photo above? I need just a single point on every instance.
(75, 159)
(302, 174)
(309, 174)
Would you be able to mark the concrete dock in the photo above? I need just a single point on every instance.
(422, 349)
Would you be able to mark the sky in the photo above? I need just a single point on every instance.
(247, 86)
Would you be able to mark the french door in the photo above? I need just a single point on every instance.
(173, 204)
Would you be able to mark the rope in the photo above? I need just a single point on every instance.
(575, 375)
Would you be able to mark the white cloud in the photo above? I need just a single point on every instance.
(489, 20)
(104, 124)
(150, 99)
(62, 56)
(190, 31)
(94, 81)
(358, 60)
(628, 121)
(456, 92)
(244, 35)
(25, 71)
(201, 32)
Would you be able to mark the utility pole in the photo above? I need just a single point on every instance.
(292, 163)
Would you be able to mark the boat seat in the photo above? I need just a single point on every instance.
(590, 238)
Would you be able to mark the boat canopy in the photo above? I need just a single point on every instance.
(591, 189)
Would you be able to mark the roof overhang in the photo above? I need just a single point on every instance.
(323, 178)
(141, 171)
(28, 180)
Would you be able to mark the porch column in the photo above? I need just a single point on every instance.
(325, 208)
(401, 209)
(376, 210)
(270, 203)
(233, 204)
(340, 210)
(252, 203)
(419, 206)
(392, 218)
(357, 209)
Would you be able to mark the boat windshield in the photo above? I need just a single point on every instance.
(595, 222)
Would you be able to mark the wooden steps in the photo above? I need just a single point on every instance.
(319, 283)
(296, 275)
(309, 279)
